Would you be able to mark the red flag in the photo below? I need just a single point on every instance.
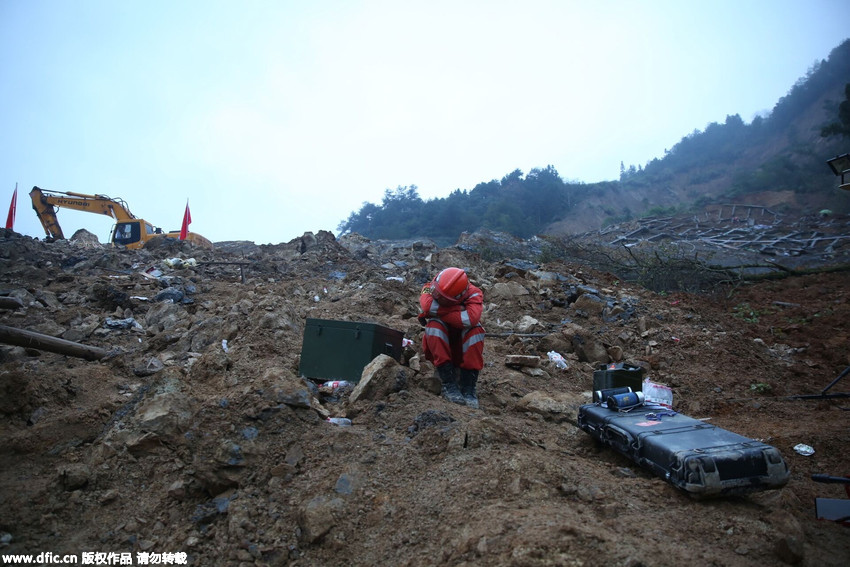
(187, 220)
(10, 220)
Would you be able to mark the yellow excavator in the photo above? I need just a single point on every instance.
(128, 230)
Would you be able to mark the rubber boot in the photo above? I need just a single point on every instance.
(468, 384)
(449, 388)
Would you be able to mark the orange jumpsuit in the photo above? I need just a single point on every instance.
(453, 332)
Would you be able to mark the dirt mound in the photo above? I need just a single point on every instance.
(196, 435)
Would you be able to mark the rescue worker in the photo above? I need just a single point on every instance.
(450, 311)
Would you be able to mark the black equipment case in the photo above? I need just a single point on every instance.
(701, 459)
(618, 374)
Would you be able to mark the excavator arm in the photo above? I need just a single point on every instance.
(45, 204)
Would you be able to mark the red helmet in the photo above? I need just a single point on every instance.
(452, 283)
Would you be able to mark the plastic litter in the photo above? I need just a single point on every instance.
(805, 450)
(395, 279)
(341, 421)
(224, 346)
(128, 323)
(406, 343)
(336, 386)
(170, 294)
(657, 393)
(557, 359)
(180, 263)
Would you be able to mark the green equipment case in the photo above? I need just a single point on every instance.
(340, 350)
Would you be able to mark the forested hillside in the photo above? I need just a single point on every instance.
(776, 161)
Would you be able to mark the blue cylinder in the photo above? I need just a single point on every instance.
(600, 396)
(625, 401)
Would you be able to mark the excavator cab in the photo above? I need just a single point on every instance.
(126, 233)
(134, 233)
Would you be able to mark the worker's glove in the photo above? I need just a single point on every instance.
(422, 320)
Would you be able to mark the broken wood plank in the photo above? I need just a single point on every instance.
(31, 339)
(522, 360)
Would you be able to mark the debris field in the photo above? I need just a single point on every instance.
(196, 434)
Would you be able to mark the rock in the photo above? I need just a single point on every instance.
(74, 476)
(139, 443)
(82, 329)
(586, 347)
(167, 415)
(208, 511)
(562, 406)
(317, 517)
(278, 320)
(614, 312)
(49, 300)
(615, 353)
(522, 360)
(170, 294)
(592, 305)
(109, 496)
(85, 239)
(127, 324)
(527, 324)
(50, 328)
(433, 384)
(36, 416)
(509, 290)
(381, 377)
(177, 490)
(289, 390)
(213, 366)
(557, 342)
(152, 366)
(211, 332)
(347, 483)
(536, 372)
(164, 316)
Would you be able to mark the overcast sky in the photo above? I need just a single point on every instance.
(277, 118)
